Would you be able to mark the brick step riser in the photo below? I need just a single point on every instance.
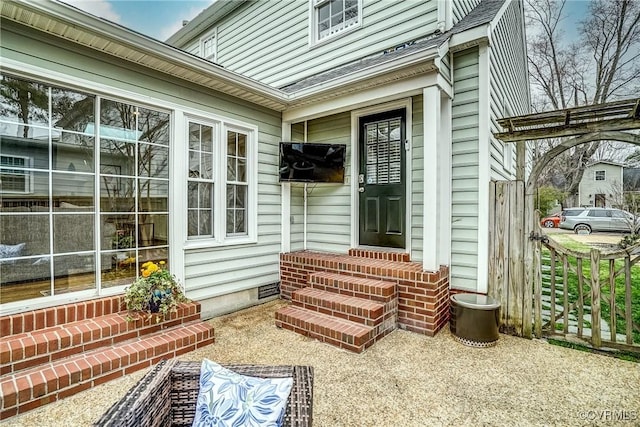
(380, 255)
(323, 334)
(326, 334)
(351, 290)
(36, 387)
(388, 311)
(29, 321)
(44, 348)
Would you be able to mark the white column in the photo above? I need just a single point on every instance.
(285, 201)
(178, 199)
(444, 184)
(484, 168)
(431, 195)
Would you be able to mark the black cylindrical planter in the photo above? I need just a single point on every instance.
(474, 319)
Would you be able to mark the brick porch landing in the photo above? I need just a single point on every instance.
(353, 300)
(52, 353)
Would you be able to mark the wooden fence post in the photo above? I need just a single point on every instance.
(596, 338)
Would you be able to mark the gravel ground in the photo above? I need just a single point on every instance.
(408, 380)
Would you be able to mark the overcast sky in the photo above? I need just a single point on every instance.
(155, 18)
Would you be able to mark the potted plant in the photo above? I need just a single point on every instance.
(155, 292)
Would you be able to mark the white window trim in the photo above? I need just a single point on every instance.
(220, 177)
(314, 37)
(211, 34)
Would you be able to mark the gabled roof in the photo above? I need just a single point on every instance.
(605, 162)
(482, 14)
(67, 22)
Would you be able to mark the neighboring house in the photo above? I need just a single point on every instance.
(601, 185)
(175, 156)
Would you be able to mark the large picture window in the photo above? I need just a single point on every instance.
(85, 188)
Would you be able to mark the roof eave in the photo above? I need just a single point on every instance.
(38, 14)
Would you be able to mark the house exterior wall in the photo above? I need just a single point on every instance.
(417, 179)
(508, 86)
(329, 205)
(465, 169)
(207, 272)
(610, 187)
(270, 40)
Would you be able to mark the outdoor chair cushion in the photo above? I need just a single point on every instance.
(167, 395)
(232, 399)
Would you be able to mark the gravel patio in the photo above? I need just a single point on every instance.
(408, 379)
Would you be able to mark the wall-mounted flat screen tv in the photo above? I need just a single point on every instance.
(312, 162)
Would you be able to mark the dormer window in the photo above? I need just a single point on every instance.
(331, 17)
(208, 46)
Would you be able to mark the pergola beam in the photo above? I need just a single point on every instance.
(571, 122)
(576, 129)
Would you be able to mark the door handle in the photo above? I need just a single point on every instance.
(361, 189)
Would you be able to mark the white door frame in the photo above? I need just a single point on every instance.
(406, 104)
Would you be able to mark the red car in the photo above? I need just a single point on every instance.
(551, 221)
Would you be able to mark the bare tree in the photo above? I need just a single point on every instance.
(603, 65)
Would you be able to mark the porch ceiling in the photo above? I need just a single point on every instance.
(607, 117)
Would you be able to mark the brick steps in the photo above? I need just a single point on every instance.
(350, 308)
(332, 294)
(49, 382)
(373, 289)
(52, 353)
(413, 299)
(341, 333)
(45, 345)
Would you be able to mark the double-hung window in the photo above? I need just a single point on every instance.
(221, 183)
(208, 46)
(13, 176)
(331, 17)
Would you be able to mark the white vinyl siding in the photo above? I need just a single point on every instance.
(509, 89)
(461, 8)
(328, 205)
(269, 40)
(208, 272)
(297, 199)
(464, 179)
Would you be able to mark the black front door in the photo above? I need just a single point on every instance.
(381, 180)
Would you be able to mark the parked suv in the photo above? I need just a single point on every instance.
(600, 219)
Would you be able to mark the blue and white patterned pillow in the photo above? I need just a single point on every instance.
(227, 398)
(11, 251)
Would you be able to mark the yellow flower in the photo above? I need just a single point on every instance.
(146, 273)
(152, 268)
(146, 264)
(162, 263)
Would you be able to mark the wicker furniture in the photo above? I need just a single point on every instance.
(166, 396)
